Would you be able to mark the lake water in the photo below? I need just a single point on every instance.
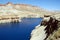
(18, 31)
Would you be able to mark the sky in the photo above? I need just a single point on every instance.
(46, 4)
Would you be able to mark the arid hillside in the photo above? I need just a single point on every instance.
(23, 10)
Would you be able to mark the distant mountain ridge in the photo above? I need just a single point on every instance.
(25, 9)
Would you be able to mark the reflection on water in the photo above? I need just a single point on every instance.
(18, 31)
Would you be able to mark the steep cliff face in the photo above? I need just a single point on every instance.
(49, 29)
(55, 29)
(51, 26)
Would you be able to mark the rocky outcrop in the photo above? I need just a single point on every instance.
(55, 31)
(51, 26)
(49, 29)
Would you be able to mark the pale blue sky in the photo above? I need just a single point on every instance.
(47, 4)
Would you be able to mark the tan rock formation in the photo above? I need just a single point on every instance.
(49, 29)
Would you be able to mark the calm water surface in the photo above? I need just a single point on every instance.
(18, 31)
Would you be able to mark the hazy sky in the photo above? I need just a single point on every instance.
(47, 4)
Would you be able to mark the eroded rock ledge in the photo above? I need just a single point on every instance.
(49, 29)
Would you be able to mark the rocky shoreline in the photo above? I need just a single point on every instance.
(9, 18)
(49, 29)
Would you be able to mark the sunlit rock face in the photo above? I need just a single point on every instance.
(49, 29)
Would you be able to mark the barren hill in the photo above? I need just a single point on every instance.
(23, 10)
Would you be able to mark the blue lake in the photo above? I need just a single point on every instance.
(18, 31)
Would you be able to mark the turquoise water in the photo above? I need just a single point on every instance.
(18, 31)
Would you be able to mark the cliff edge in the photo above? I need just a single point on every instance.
(49, 29)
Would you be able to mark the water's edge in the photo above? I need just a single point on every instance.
(20, 30)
